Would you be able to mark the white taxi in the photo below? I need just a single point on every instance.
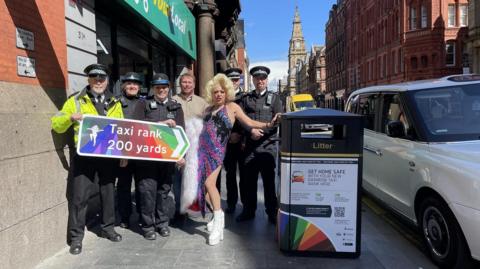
(422, 159)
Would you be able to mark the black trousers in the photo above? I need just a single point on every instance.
(86, 172)
(233, 157)
(255, 163)
(154, 184)
(124, 190)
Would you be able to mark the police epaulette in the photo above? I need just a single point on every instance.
(111, 102)
(78, 94)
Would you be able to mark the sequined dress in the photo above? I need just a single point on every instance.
(211, 149)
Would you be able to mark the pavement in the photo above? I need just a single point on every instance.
(246, 245)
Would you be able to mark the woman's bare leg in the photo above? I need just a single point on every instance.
(212, 191)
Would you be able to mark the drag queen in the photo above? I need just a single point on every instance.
(218, 120)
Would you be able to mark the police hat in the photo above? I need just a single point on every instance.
(96, 70)
(233, 73)
(260, 71)
(160, 79)
(132, 76)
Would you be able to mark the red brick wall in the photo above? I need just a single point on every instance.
(46, 19)
(380, 46)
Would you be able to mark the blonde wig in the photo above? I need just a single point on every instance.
(225, 83)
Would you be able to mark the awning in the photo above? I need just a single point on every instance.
(172, 18)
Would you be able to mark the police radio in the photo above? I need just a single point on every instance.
(269, 100)
(172, 108)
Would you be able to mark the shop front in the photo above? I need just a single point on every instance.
(143, 36)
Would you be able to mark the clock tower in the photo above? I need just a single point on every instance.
(296, 52)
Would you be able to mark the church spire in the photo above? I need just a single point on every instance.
(296, 53)
(296, 19)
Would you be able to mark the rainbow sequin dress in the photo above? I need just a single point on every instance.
(211, 149)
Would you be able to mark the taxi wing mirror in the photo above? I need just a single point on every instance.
(396, 129)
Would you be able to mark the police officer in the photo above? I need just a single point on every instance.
(92, 100)
(233, 152)
(155, 178)
(261, 105)
(133, 108)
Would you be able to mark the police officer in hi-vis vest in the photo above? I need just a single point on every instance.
(261, 105)
(155, 178)
(94, 99)
(133, 108)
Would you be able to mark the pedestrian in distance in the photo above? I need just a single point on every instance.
(94, 99)
(218, 120)
(260, 149)
(155, 178)
(133, 108)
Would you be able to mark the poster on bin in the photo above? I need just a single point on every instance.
(322, 198)
(100, 136)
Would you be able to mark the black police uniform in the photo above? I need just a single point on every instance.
(260, 154)
(233, 155)
(81, 185)
(133, 108)
(155, 178)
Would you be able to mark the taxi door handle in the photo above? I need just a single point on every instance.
(376, 151)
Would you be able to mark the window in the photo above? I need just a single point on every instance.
(450, 53)
(463, 15)
(385, 70)
(424, 21)
(366, 107)
(451, 15)
(413, 18)
(392, 111)
(414, 63)
(394, 59)
(380, 70)
(424, 61)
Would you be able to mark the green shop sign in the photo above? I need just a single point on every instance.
(172, 18)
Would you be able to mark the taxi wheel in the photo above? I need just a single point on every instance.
(442, 234)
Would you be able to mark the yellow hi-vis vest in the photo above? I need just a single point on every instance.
(81, 103)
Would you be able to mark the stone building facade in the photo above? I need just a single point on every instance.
(296, 53)
(316, 72)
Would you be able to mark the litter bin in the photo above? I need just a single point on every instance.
(321, 168)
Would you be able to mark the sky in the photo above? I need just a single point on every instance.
(268, 29)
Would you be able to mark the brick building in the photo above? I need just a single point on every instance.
(335, 53)
(393, 41)
(238, 56)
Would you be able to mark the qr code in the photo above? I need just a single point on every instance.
(339, 212)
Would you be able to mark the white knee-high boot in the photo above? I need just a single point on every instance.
(216, 234)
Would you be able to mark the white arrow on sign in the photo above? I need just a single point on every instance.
(181, 143)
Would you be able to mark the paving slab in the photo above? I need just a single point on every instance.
(246, 245)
